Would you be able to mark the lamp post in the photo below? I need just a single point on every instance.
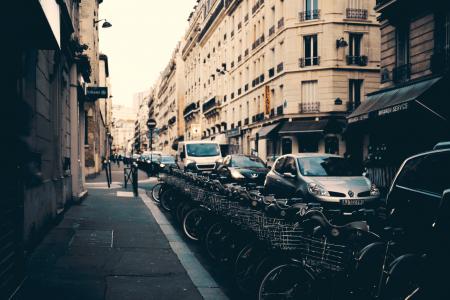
(105, 24)
(151, 124)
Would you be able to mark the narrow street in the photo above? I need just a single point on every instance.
(115, 246)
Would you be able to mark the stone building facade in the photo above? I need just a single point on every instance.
(122, 128)
(276, 76)
(410, 113)
(46, 71)
(170, 102)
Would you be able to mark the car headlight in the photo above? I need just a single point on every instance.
(162, 165)
(148, 161)
(317, 189)
(236, 175)
(374, 191)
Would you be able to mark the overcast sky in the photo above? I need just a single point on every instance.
(141, 41)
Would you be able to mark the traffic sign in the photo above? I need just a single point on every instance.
(151, 123)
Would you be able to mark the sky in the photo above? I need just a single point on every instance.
(141, 41)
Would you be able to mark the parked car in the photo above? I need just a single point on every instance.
(198, 155)
(419, 203)
(167, 162)
(415, 194)
(328, 179)
(242, 169)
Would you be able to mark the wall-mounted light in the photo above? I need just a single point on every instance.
(106, 24)
(341, 43)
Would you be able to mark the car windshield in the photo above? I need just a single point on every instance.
(327, 166)
(246, 162)
(168, 159)
(203, 150)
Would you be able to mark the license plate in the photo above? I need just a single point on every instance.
(352, 202)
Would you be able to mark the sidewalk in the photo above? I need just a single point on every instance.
(109, 247)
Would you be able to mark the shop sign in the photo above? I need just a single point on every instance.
(94, 92)
(233, 132)
(267, 100)
(393, 109)
(358, 118)
(51, 11)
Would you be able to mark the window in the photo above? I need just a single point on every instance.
(354, 93)
(279, 165)
(310, 100)
(402, 45)
(308, 143)
(355, 44)
(289, 166)
(311, 9)
(427, 173)
(311, 57)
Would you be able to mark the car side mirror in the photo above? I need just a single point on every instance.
(289, 175)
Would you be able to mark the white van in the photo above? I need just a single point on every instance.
(198, 155)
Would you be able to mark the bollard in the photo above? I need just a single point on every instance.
(108, 180)
(135, 179)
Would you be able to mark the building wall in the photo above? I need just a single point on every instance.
(234, 41)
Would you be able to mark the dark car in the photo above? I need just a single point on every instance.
(324, 178)
(415, 195)
(167, 162)
(242, 168)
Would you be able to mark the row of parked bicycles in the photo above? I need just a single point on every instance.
(289, 249)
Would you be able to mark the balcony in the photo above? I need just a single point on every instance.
(271, 72)
(232, 96)
(310, 107)
(190, 110)
(309, 61)
(440, 61)
(209, 105)
(239, 25)
(360, 60)
(239, 58)
(401, 73)
(358, 14)
(281, 23)
(309, 15)
(246, 121)
(257, 5)
(258, 117)
(271, 30)
(280, 67)
(246, 87)
(239, 91)
(246, 52)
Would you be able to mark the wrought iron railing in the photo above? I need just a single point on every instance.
(310, 107)
(356, 13)
(309, 61)
(360, 60)
(309, 15)
(401, 73)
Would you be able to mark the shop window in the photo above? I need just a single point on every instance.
(332, 145)
(286, 146)
(308, 143)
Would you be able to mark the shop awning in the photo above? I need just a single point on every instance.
(265, 131)
(390, 101)
(304, 126)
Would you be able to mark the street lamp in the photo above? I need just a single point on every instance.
(106, 24)
(151, 124)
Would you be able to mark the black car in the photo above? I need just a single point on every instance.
(415, 195)
(242, 169)
(166, 163)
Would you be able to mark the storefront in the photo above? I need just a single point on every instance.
(396, 123)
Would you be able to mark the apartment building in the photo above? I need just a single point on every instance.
(410, 113)
(122, 128)
(276, 76)
(170, 102)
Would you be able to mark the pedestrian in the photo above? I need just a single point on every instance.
(118, 161)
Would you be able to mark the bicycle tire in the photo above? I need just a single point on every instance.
(219, 252)
(290, 280)
(193, 233)
(156, 192)
(166, 199)
(245, 265)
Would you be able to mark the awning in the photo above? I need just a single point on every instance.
(304, 126)
(390, 101)
(265, 131)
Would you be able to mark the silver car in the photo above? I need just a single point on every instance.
(324, 178)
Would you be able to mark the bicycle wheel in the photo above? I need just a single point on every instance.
(192, 223)
(156, 192)
(220, 242)
(167, 199)
(288, 281)
(245, 266)
(182, 209)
